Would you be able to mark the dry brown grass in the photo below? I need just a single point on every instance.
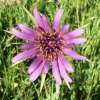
(10, 2)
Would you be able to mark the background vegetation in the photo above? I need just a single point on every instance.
(14, 83)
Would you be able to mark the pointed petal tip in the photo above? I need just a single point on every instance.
(35, 9)
(61, 9)
(75, 33)
(57, 18)
(83, 58)
(70, 81)
(28, 71)
(72, 71)
(12, 29)
(35, 74)
(19, 24)
(81, 30)
(85, 39)
(30, 79)
(74, 54)
(12, 61)
(60, 83)
(68, 25)
(65, 29)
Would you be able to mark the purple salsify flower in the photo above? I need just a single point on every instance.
(49, 46)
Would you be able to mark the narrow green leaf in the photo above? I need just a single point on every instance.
(85, 25)
(17, 63)
(89, 60)
(31, 16)
(96, 75)
(8, 31)
(42, 81)
(57, 91)
(68, 85)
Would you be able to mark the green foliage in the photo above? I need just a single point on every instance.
(14, 83)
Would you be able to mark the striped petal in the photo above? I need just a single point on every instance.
(22, 35)
(74, 54)
(35, 64)
(37, 72)
(75, 33)
(55, 72)
(76, 40)
(34, 54)
(66, 64)
(45, 22)
(57, 18)
(38, 18)
(27, 46)
(24, 55)
(46, 67)
(63, 72)
(27, 30)
(69, 45)
(39, 30)
(65, 29)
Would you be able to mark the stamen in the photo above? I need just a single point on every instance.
(50, 44)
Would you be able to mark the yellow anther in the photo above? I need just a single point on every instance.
(54, 54)
(41, 49)
(49, 31)
(46, 53)
(50, 50)
(63, 41)
(46, 31)
(42, 41)
(50, 56)
(59, 35)
(42, 32)
(44, 44)
(56, 49)
(54, 32)
(38, 45)
(61, 47)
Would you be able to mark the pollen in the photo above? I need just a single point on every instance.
(50, 44)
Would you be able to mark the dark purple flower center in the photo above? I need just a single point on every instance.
(50, 44)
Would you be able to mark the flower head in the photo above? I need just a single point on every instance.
(49, 45)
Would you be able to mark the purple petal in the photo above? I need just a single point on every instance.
(34, 54)
(65, 29)
(40, 30)
(27, 30)
(27, 46)
(74, 54)
(37, 72)
(46, 66)
(35, 64)
(23, 55)
(69, 45)
(63, 72)
(38, 18)
(22, 35)
(75, 33)
(45, 22)
(76, 40)
(57, 18)
(66, 64)
(55, 72)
